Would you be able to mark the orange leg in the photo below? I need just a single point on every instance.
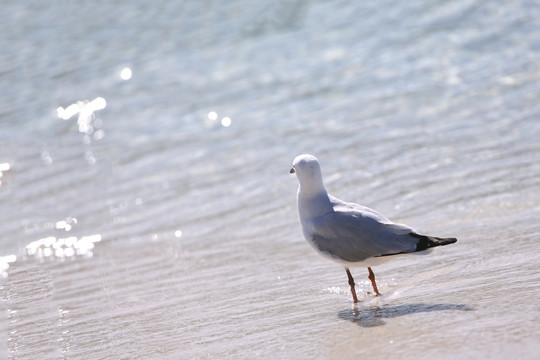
(351, 283)
(372, 278)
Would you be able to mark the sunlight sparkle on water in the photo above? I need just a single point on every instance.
(126, 73)
(46, 157)
(62, 247)
(212, 115)
(226, 122)
(211, 118)
(3, 167)
(4, 263)
(65, 224)
(86, 111)
(68, 112)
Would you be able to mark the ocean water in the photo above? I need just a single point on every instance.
(146, 205)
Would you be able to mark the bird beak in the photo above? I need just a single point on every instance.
(292, 171)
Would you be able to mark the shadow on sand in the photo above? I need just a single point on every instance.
(373, 316)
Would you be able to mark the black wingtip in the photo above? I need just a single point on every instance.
(426, 242)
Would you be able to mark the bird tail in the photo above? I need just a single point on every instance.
(426, 242)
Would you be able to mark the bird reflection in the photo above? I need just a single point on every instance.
(373, 316)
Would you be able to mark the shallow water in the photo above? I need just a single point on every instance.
(158, 220)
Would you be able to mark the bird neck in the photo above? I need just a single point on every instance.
(313, 203)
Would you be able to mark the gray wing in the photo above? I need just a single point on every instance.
(356, 233)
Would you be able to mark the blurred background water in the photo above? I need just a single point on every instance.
(146, 206)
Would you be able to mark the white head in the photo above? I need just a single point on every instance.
(308, 171)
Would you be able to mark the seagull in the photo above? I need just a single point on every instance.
(351, 234)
